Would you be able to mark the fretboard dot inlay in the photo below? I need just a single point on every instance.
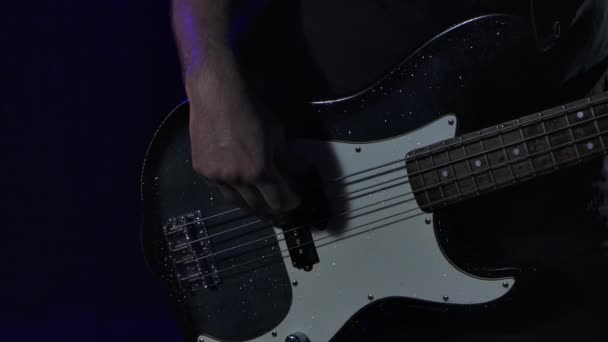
(496, 157)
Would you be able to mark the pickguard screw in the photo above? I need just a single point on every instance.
(357, 149)
(200, 339)
(274, 334)
(294, 283)
(505, 284)
(445, 298)
(451, 122)
(370, 296)
(427, 220)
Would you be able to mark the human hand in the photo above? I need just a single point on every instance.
(239, 149)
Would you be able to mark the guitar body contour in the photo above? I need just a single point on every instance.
(379, 252)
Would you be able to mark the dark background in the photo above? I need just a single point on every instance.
(84, 84)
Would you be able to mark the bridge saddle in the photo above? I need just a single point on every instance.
(191, 252)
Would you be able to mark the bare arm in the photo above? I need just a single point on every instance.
(233, 145)
(201, 30)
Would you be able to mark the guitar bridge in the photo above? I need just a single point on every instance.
(191, 252)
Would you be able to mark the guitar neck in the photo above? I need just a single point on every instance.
(510, 153)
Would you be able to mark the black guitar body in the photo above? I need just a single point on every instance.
(478, 70)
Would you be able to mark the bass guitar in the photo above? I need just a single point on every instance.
(387, 161)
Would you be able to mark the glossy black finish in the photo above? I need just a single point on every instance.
(490, 56)
(255, 297)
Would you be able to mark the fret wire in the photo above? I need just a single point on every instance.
(542, 170)
(527, 124)
(426, 193)
(600, 99)
(523, 137)
(485, 156)
(578, 155)
(504, 151)
(438, 179)
(451, 165)
(468, 162)
(597, 127)
(542, 123)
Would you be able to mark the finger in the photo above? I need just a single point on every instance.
(277, 192)
(286, 168)
(230, 195)
(254, 199)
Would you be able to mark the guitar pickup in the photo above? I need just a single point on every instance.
(296, 225)
(301, 247)
(191, 252)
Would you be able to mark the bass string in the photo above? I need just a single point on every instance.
(279, 238)
(455, 179)
(175, 229)
(594, 118)
(309, 242)
(564, 109)
(599, 151)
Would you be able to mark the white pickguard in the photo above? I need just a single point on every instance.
(386, 249)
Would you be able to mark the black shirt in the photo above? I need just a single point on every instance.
(326, 48)
(322, 48)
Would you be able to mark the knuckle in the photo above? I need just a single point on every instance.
(209, 171)
(253, 174)
(200, 168)
(227, 174)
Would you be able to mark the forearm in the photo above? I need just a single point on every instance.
(201, 29)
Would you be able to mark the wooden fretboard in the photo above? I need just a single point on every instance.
(503, 155)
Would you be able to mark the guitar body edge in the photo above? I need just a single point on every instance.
(388, 251)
